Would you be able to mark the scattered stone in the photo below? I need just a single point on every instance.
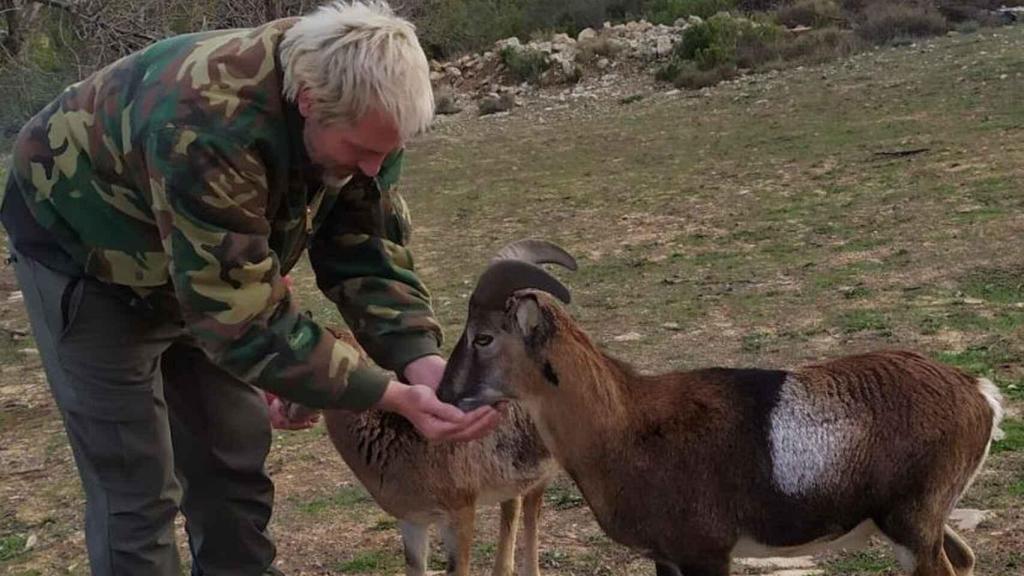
(494, 103)
(779, 562)
(967, 519)
(628, 337)
(446, 103)
(587, 34)
(663, 46)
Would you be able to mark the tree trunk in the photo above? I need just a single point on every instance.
(13, 41)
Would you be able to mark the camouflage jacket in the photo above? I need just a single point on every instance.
(182, 167)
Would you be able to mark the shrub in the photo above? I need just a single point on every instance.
(822, 45)
(686, 74)
(593, 48)
(885, 23)
(525, 64)
(725, 40)
(668, 11)
(813, 13)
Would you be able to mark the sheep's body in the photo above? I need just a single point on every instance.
(696, 467)
(423, 483)
(420, 481)
(768, 462)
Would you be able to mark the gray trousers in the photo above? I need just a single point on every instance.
(155, 428)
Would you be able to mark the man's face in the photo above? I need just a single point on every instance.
(343, 150)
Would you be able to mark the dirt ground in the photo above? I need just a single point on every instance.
(773, 220)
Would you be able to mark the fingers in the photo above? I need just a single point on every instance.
(483, 426)
(443, 411)
(475, 424)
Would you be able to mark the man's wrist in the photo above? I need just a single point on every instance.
(420, 370)
(393, 399)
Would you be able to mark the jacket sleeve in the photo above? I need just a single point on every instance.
(209, 197)
(362, 264)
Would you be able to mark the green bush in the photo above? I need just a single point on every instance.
(726, 40)
(593, 49)
(686, 74)
(885, 23)
(668, 11)
(525, 64)
(813, 13)
(822, 45)
(447, 27)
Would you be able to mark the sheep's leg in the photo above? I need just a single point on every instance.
(918, 546)
(531, 529)
(415, 542)
(958, 552)
(505, 558)
(458, 538)
(706, 567)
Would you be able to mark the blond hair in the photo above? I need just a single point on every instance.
(354, 55)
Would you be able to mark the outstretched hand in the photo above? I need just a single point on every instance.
(436, 420)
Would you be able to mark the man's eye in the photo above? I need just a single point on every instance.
(483, 340)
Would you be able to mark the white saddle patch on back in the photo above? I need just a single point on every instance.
(811, 440)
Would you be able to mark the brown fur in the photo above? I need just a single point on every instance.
(421, 482)
(681, 465)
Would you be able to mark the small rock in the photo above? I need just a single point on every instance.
(674, 326)
(967, 519)
(628, 337)
(603, 63)
(779, 562)
(511, 42)
(453, 71)
(663, 46)
(445, 102)
(31, 542)
(562, 38)
(436, 76)
(588, 33)
(695, 20)
(493, 103)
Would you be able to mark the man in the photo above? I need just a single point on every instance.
(154, 208)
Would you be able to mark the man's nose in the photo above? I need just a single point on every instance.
(371, 166)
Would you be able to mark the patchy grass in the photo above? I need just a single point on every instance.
(563, 495)
(372, 562)
(1014, 440)
(863, 321)
(11, 546)
(344, 498)
(766, 223)
(873, 561)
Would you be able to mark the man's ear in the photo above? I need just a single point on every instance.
(305, 102)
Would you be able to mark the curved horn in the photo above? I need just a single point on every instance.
(504, 277)
(536, 252)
